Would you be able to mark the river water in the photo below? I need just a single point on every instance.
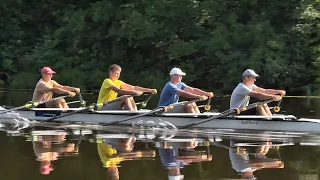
(52, 152)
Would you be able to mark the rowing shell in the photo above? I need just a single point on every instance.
(283, 123)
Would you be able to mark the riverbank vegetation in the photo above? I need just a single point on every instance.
(212, 41)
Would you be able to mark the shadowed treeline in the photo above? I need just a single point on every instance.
(213, 41)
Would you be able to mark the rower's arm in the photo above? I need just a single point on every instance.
(43, 87)
(195, 91)
(187, 94)
(135, 88)
(270, 91)
(260, 95)
(67, 88)
(59, 91)
(122, 91)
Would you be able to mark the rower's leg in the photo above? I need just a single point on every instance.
(261, 110)
(267, 110)
(195, 107)
(189, 108)
(127, 104)
(63, 103)
(54, 104)
(133, 104)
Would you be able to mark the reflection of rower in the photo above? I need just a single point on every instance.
(113, 151)
(176, 155)
(246, 163)
(48, 148)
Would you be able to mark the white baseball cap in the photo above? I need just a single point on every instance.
(250, 72)
(177, 71)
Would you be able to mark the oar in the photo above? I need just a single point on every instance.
(277, 107)
(93, 106)
(228, 112)
(143, 104)
(82, 102)
(72, 102)
(156, 110)
(33, 104)
(207, 106)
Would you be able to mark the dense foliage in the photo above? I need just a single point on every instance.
(213, 41)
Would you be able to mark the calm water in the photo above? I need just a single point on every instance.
(66, 153)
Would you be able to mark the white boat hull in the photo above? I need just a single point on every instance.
(283, 123)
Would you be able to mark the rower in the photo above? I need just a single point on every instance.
(112, 86)
(241, 95)
(46, 87)
(176, 88)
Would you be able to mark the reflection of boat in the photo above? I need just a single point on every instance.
(287, 123)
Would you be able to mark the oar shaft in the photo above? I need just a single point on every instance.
(72, 102)
(33, 104)
(82, 102)
(92, 106)
(134, 117)
(144, 103)
(253, 105)
(156, 110)
(225, 113)
(50, 100)
(228, 112)
(67, 114)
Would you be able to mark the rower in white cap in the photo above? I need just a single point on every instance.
(241, 95)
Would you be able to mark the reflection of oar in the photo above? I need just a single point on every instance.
(33, 104)
(156, 110)
(227, 113)
(92, 106)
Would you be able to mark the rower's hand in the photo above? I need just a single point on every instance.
(154, 91)
(203, 98)
(71, 94)
(210, 94)
(276, 98)
(282, 93)
(77, 90)
(138, 93)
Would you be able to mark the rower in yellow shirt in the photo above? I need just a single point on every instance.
(112, 86)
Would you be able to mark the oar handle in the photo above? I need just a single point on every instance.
(143, 104)
(82, 102)
(207, 107)
(277, 107)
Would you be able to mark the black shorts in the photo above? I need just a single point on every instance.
(252, 111)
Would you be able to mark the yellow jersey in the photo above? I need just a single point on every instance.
(106, 94)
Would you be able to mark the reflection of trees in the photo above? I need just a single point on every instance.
(305, 160)
(317, 105)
